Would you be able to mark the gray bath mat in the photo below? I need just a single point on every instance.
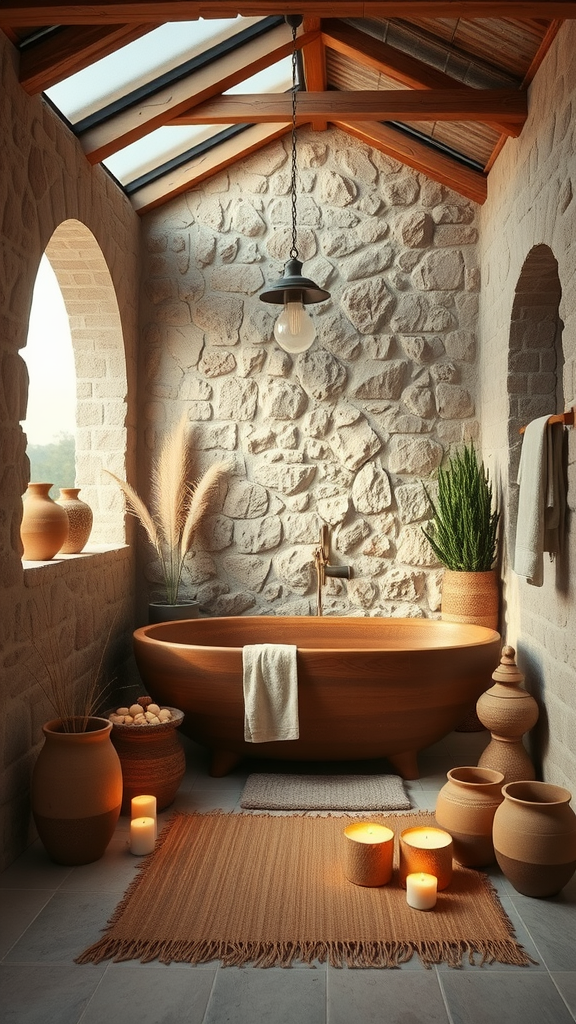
(324, 793)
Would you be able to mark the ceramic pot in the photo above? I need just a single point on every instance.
(508, 710)
(76, 791)
(79, 520)
(534, 837)
(465, 808)
(44, 527)
(152, 760)
(162, 612)
(470, 597)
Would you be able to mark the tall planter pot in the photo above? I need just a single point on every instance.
(534, 837)
(470, 597)
(44, 527)
(76, 791)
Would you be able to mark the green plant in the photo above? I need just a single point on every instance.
(464, 525)
(177, 505)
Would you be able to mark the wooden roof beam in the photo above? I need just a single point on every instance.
(509, 105)
(86, 12)
(387, 60)
(162, 106)
(314, 60)
(190, 174)
(423, 158)
(70, 50)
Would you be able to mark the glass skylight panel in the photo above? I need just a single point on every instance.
(140, 62)
(165, 143)
(157, 148)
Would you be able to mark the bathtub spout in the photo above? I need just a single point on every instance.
(324, 569)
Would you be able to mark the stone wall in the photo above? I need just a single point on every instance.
(531, 213)
(344, 433)
(71, 605)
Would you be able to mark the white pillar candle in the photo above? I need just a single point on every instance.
(421, 891)
(142, 836)
(368, 853)
(144, 807)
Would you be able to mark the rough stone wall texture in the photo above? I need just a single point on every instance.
(344, 433)
(531, 203)
(69, 604)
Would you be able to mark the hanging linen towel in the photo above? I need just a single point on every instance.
(270, 680)
(542, 499)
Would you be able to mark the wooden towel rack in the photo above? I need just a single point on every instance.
(567, 418)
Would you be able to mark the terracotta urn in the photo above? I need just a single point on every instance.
(77, 791)
(508, 710)
(79, 520)
(534, 837)
(44, 527)
(465, 808)
(152, 760)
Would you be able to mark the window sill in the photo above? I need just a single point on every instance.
(94, 556)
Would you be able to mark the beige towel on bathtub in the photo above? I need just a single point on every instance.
(542, 499)
(270, 681)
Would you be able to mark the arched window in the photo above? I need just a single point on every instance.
(100, 379)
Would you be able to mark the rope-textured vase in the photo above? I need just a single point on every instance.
(470, 597)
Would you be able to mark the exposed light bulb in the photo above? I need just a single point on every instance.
(294, 329)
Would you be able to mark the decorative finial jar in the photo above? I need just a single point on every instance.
(508, 711)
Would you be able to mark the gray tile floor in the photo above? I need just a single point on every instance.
(51, 913)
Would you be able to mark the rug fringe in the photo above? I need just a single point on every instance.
(284, 954)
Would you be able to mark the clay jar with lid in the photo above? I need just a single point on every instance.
(465, 808)
(534, 836)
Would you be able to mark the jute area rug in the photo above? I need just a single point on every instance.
(324, 792)
(270, 889)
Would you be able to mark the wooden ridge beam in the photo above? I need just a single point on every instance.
(70, 50)
(508, 105)
(423, 158)
(47, 12)
(162, 106)
(201, 167)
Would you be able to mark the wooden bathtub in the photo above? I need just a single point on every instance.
(367, 687)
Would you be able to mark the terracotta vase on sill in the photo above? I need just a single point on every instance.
(79, 520)
(44, 527)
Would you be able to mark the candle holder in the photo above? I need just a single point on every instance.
(368, 853)
(426, 850)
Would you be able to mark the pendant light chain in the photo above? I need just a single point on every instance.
(293, 250)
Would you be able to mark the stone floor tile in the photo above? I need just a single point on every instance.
(68, 924)
(149, 997)
(250, 995)
(38, 995)
(491, 997)
(552, 925)
(565, 982)
(19, 908)
(374, 996)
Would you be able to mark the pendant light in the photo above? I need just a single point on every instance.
(294, 329)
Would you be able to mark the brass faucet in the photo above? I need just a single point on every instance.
(323, 568)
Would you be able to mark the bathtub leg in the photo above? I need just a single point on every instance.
(222, 762)
(406, 764)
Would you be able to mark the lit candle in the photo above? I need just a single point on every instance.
(142, 836)
(421, 890)
(144, 807)
(427, 850)
(368, 853)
